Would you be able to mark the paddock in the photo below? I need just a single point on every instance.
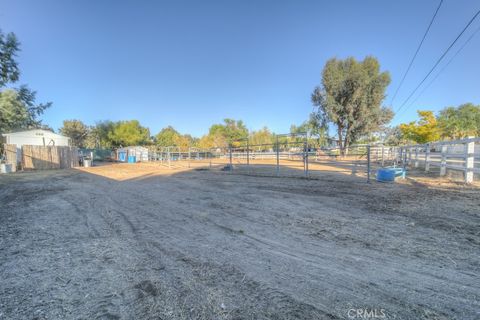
(124, 241)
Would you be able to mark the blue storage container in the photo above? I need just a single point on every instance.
(122, 156)
(385, 175)
(132, 159)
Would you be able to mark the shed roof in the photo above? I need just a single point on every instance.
(34, 132)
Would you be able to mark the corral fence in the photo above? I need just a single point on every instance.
(462, 156)
(291, 155)
(295, 155)
(28, 157)
(97, 154)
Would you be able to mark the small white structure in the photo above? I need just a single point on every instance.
(140, 153)
(36, 137)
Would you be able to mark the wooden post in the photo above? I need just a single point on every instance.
(443, 163)
(469, 161)
(427, 157)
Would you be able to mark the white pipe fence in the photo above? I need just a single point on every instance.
(458, 155)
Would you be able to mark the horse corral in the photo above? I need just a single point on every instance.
(146, 240)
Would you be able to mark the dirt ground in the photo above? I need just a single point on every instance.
(142, 241)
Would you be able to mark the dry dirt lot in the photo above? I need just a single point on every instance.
(145, 242)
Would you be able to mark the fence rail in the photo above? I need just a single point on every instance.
(299, 158)
(458, 155)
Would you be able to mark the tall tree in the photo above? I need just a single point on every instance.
(460, 122)
(13, 113)
(351, 98)
(98, 135)
(76, 130)
(261, 139)
(229, 132)
(20, 101)
(423, 131)
(128, 133)
(9, 47)
(167, 137)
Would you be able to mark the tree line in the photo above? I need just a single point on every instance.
(451, 123)
(108, 134)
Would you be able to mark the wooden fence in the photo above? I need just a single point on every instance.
(46, 157)
(10, 151)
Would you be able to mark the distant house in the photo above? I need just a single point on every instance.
(36, 137)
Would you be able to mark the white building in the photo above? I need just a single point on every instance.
(36, 137)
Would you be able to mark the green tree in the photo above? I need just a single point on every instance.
(460, 122)
(99, 135)
(393, 136)
(76, 130)
(261, 137)
(351, 98)
(167, 137)
(13, 113)
(9, 47)
(229, 132)
(128, 133)
(18, 109)
(314, 128)
(423, 131)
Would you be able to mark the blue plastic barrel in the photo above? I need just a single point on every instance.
(132, 159)
(122, 156)
(386, 175)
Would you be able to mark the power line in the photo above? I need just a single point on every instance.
(444, 67)
(439, 59)
(416, 52)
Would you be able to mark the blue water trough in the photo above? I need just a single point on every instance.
(390, 173)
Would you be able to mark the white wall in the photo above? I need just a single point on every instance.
(37, 138)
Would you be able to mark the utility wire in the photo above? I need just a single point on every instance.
(439, 59)
(444, 67)
(416, 52)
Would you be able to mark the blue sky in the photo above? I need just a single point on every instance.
(192, 63)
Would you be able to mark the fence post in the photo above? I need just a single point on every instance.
(305, 158)
(230, 156)
(278, 157)
(248, 153)
(368, 163)
(443, 163)
(469, 160)
(169, 156)
(416, 157)
(427, 157)
(383, 155)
